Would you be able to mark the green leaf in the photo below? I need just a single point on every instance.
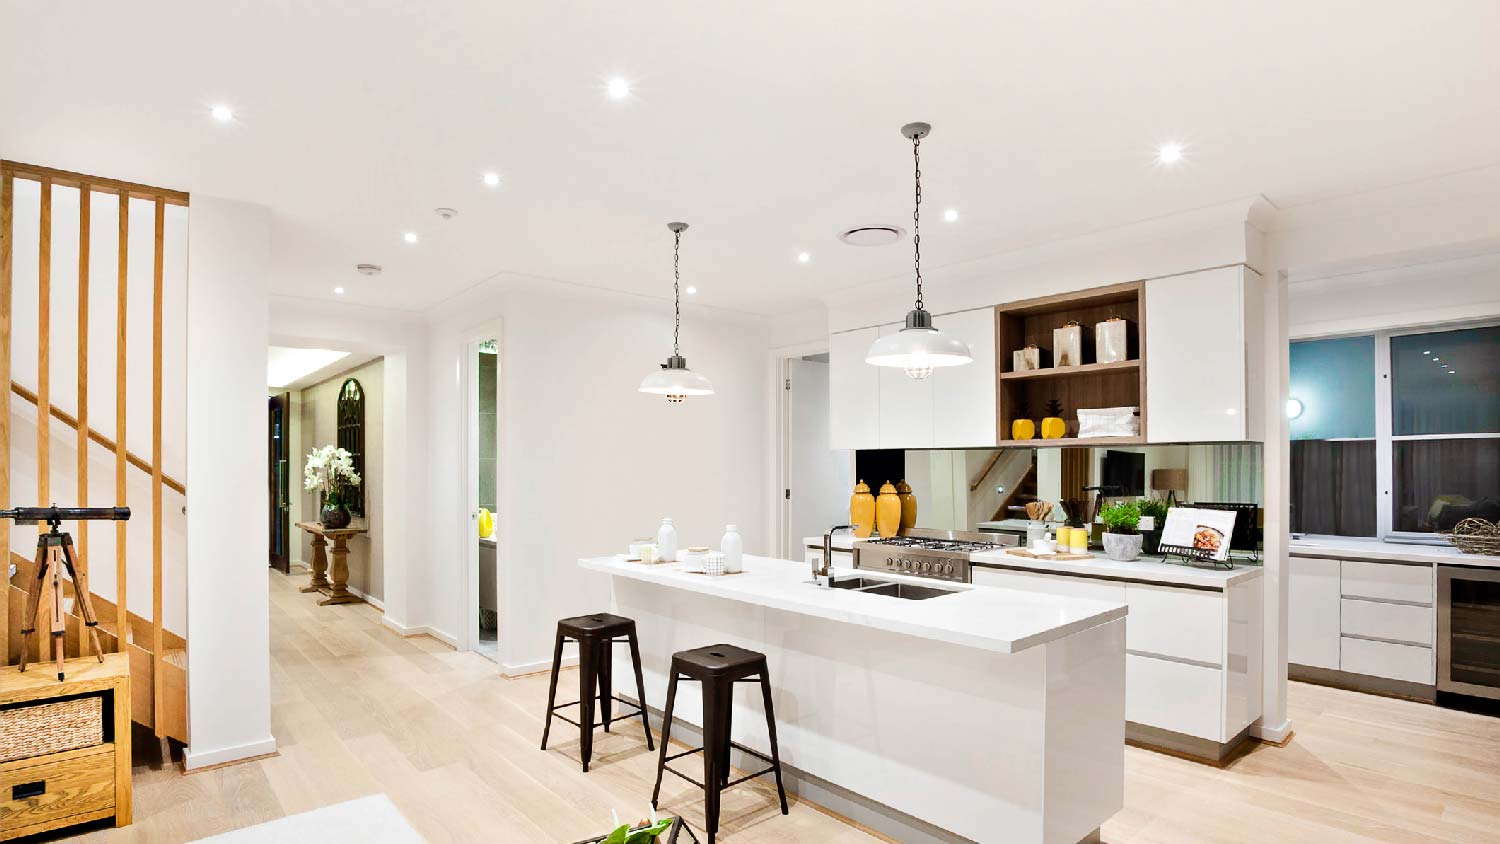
(618, 836)
(646, 835)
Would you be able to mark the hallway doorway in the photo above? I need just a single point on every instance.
(482, 610)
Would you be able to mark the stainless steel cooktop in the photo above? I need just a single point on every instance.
(944, 555)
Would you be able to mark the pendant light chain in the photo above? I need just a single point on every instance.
(916, 215)
(676, 294)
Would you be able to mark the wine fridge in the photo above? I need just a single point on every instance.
(1468, 617)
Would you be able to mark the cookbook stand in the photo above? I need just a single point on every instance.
(1199, 557)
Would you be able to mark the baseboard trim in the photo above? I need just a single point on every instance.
(1280, 735)
(1405, 689)
(197, 761)
(374, 602)
(1183, 746)
(418, 630)
(525, 669)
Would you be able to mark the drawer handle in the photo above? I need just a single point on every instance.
(21, 791)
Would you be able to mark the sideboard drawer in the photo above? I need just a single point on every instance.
(1396, 622)
(1412, 663)
(1387, 582)
(61, 789)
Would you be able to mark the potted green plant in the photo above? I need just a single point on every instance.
(1156, 508)
(643, 831)
(330, 471)
(1122, 542)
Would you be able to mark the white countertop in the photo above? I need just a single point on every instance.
(1375, 549)
(1001, 620)
(1153, 571)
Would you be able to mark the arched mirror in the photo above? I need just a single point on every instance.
(351, 437)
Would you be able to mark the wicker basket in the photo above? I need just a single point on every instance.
(51, 727)
(1475, 536)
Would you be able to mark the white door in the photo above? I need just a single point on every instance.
(818, 477)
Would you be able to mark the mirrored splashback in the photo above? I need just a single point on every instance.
(984, 489)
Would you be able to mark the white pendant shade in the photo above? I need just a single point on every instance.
(676, 382)
(919, 351)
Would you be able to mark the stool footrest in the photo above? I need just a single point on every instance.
(734, 744)
(635, 710)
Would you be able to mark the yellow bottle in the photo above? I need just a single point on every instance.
(908, 505)
(888, 511)
(862, 511)
(1023, 429)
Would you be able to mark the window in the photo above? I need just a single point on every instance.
(1395, 433)
(351, 437)
(1445, 428)
(1332, 407)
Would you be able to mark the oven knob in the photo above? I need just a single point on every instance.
(926, 566)
(948, 568)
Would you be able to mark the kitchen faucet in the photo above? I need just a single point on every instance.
(826, 569)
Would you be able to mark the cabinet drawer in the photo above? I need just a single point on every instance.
(40, 791)
(1051, 584)
(1412, 663)
(1181, 623)
(1174, 696)
(1386, 582)
(1398, 622)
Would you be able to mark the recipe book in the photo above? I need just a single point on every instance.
(1208, 531)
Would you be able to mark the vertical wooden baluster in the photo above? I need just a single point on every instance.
(84, 644)
(7, 201)
(156, 456)
(44, 394)
(122, 614)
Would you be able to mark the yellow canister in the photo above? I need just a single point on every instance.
(862, 511)
(888, 510)
(908, 505)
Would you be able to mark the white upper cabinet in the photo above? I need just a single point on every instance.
(1203, 357)
(905, 405)
(963, 397)
(853, 391)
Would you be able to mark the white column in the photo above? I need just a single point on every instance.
(1276, 454)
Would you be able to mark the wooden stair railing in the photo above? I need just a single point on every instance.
(1022, 492)
(988, 467)
(67, 419)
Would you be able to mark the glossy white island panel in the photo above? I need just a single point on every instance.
(989, 714)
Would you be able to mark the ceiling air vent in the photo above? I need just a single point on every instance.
(872, 235)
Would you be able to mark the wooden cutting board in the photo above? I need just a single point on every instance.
(1032, 555)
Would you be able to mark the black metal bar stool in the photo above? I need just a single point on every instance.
(596, 636)
(718, 668)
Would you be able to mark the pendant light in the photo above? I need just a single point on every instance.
(919, 347)
(674, 380)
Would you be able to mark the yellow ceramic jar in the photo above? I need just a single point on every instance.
(908, 505)
(1023, 429)
(862, 511)
(888, 511)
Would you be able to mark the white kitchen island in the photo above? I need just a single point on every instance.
(989, 714)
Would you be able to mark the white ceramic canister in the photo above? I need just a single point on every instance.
(733, 548)
(666, 542)
(1035, 533)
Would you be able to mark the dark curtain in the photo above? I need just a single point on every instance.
(1440, 482)
(1333, 487)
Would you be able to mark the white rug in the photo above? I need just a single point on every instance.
(368, 820)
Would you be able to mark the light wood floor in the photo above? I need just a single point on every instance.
(357, 710)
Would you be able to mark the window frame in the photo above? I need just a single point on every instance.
(1385, 438)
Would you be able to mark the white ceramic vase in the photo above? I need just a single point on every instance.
(733, 548)
(666, 542)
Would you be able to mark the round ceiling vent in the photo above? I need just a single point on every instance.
(872, 235)
(368, 269)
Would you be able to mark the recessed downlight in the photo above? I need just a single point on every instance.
(338, 291)
(492, 179)
(804, 257)
(618, 88)
(690, 290)
(222, 113)
(878, 235)
(951, 215)
(1169, 153)
(410, 237)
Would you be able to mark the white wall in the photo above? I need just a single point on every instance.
(1417, 291)
(229, 680)
(587, 462)
(319, 408)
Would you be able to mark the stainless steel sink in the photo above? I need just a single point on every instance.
(892, 588)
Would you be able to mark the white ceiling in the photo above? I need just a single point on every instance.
(289, 369)
(768, 126)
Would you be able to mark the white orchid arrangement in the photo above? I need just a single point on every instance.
(329, 469)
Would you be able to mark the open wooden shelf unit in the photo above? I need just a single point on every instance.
(1089, 385)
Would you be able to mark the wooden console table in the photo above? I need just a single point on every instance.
(336, 591)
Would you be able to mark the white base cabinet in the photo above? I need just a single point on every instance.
(1374, 619)
(1193, 663)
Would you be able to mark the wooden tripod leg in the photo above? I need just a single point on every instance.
(59, 625)
(33, 603)
(85, 603)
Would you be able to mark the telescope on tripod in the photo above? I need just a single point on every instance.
(54, 554)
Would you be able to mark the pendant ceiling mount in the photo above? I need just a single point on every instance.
(674, 380)
(918, 347)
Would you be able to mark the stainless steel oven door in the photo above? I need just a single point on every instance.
(1468, 620)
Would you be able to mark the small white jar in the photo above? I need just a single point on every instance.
(733, 548)
(666, 542)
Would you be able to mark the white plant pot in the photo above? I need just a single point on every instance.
(1122, 547)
